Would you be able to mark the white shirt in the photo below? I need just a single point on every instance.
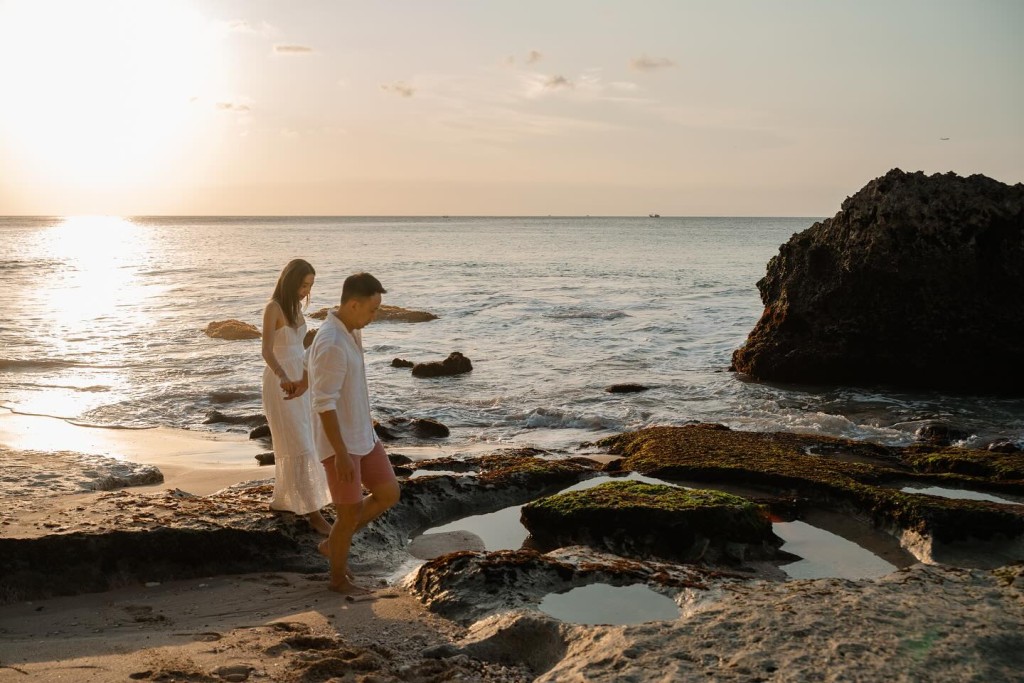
(337, 381)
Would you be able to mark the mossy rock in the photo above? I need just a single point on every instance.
(783, 461)
(635, 519)
(970, 462)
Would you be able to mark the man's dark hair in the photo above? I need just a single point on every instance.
(361, 286)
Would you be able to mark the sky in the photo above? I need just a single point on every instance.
(493, 107)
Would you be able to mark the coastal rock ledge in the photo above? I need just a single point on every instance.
(918, 282)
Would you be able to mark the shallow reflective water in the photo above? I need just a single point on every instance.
(601, 603)
(826, 555)
(963, 494)
(502, 530)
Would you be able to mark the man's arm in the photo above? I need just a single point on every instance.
(342, 462)
(328, 362)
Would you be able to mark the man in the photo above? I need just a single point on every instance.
(344, 437)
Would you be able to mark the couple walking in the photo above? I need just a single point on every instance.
(318, 408)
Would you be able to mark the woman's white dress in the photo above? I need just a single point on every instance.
(300, 484)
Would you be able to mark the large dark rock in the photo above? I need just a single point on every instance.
(918, 281)
(454, 364)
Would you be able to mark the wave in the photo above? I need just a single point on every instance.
(94, 389)
(51, 363)
(76, 421)
(231, 396)
(556, 418)
(36, 363)
(570, 313)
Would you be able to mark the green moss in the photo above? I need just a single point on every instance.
(634, 519)
(632, 495)
(963, 461)
(783, 461)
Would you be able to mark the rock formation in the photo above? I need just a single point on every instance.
(628, 388)
(454, 364)
(918, 281)
(388, 314)
(635, 519)
(232, 329)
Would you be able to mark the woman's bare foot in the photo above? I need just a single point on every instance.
(319, 524)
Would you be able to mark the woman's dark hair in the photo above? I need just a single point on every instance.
(286, 293)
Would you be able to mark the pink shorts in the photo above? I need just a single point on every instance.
(372, 470)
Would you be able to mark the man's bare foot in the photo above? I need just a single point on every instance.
(319, 524)
(347, 587)
(322, 548)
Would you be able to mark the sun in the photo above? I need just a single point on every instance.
(101, 93)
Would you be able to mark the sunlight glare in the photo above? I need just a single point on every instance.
(100, 93)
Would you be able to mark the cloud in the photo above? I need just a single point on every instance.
(398, 88)
(232, 106)
(242, 26)
(532, 57)
(292, 49)
(645, 63)
(557, 82)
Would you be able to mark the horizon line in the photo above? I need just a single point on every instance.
(396, 215)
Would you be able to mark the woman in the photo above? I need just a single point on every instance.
(300, 485)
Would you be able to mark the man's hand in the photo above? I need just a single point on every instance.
(345, 468)
(298, 388)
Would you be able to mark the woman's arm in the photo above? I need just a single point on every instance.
(272, 321)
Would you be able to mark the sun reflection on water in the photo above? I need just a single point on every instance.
(94, 304)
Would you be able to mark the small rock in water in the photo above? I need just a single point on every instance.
(261, 432)
(429, 428)
(625, 388)
(939, 434)
(232, 329)
(402, 363)
(454, 364)
(265, 458)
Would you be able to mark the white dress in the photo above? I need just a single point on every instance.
(300, 484)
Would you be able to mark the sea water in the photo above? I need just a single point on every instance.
(102, 323)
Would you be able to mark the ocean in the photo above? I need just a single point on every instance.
(103, 319)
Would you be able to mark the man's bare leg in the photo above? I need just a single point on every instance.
(377, 503)
(338, 545)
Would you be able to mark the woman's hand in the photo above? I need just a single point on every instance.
(288, 387)
(298, 388)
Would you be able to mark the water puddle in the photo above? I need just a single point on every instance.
(601, 603)
(963, 494)
(822, 542)
(500, 530)
(827, 555)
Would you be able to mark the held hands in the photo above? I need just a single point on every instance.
(294, 389)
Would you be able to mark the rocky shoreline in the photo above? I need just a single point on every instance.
(953, 615)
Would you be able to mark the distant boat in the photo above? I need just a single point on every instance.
(654, 215)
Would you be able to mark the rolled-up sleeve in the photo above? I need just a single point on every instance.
(327, 369)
